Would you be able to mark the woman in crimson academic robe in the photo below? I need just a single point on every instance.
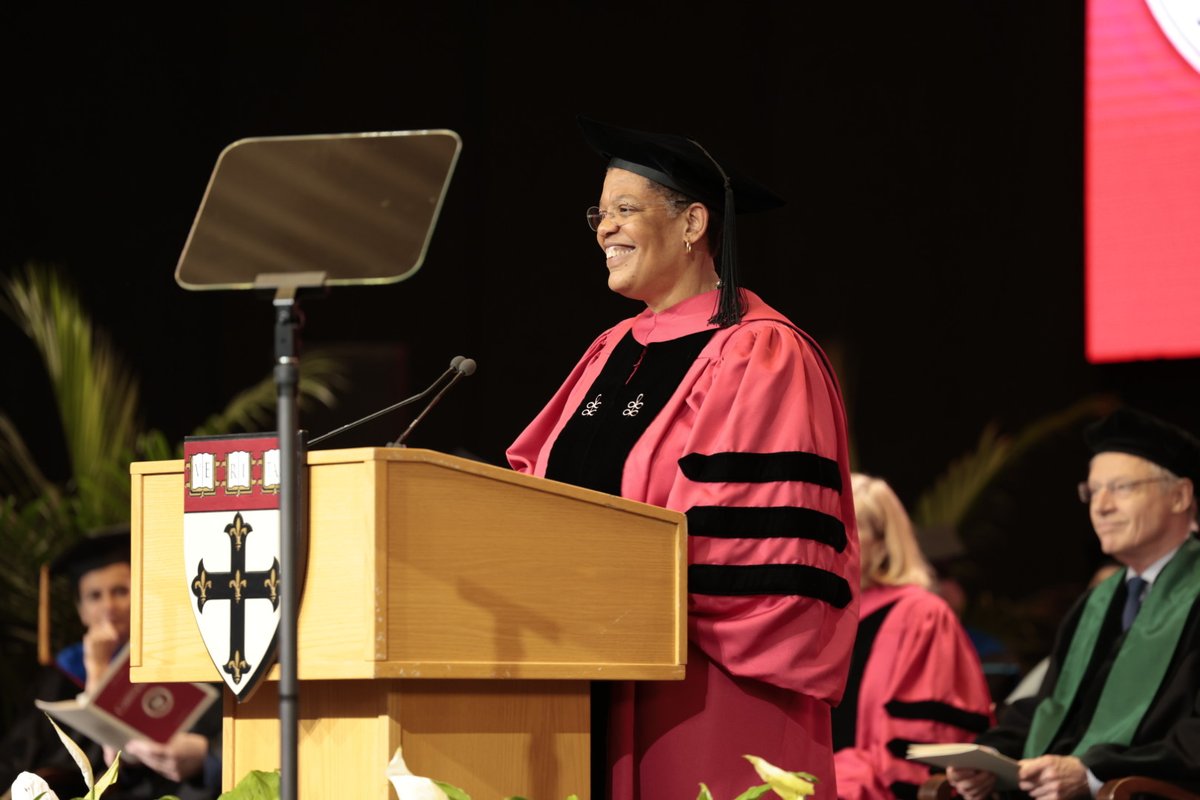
(915, 676)
(712, 403)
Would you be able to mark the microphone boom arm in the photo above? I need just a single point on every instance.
(454, 370)
(461, 370)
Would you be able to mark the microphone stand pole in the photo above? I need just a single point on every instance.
(287, 382)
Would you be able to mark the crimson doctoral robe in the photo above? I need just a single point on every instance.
(914, 678)
(743, 429)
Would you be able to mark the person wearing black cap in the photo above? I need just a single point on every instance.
(98, 568)
(1121, 696)
(712, 403)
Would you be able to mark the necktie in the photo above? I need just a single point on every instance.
(1134, 588)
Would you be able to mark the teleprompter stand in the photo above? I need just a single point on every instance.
(288, 321)
(296, 214)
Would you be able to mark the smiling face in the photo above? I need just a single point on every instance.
(1139, 526)
(104, 596)
(645, 252)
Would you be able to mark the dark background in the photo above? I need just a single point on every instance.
(931, 153)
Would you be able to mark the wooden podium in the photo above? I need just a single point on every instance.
(450, 607)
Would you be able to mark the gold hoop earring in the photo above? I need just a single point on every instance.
(687, 243)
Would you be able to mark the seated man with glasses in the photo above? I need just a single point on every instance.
(1122, 694)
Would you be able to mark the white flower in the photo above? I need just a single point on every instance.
(28, 786)
(410, 787)
(407, 785)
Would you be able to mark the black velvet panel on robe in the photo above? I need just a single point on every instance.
(634, 386)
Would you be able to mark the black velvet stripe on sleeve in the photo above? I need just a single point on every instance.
(899, 747)
(790, 522)
(780, 579)
(935, 711)
(762, 468)
(903, 790)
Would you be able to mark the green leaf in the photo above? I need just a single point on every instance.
(452, 791)
(256, 785)
(965, 479)
(754, 792)
(77, 755)
(29, 536)
(957, 491)
(96, 393)
(20, 474)
(96, 396)
(788, 785)
(705, 794)
(321, 371)
(153, 445)
(107, 779)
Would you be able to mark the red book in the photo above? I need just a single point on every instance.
(118, 710)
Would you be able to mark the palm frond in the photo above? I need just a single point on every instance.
(952, 496)
(20, 475)
(957, 489)
(29, 540)
(96, 397)
(96, 394)
(1091, 407)
(153, 445)
(32, 532)
(322, 373)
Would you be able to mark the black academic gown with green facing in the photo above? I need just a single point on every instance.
(1166, 744)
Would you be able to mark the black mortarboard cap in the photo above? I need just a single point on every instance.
(1134, 432)
(684, 165)
(99, 548)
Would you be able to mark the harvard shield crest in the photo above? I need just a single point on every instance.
(231, 548)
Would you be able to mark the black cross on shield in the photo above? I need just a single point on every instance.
(238, 587)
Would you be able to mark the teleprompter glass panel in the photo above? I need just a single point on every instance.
(360, 208)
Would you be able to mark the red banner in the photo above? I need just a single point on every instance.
(1143, 180)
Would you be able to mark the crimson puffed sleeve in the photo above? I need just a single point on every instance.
(764, 480)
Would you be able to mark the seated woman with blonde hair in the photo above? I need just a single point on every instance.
(914, 676)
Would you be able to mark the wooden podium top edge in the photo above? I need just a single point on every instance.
(175, 465)
(417, 455)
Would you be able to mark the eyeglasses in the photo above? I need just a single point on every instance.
(623, 212)
(1120, 490)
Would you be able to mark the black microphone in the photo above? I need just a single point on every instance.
(462, 369)
(455, 365)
